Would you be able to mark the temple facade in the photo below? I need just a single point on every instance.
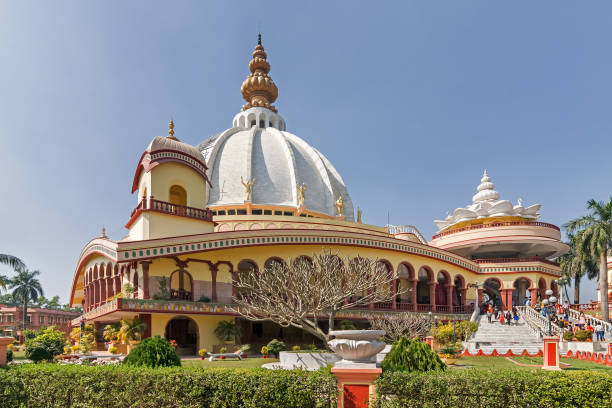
(256, 194)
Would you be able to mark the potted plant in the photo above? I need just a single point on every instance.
(243, 349)
(114, 351)
(264, 352)
(296, 348)
(227, 331)
(131, 331)
(448, 355)
(76, 348)
(202, 353)
(222, 350)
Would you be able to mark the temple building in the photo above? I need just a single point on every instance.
(256, 194)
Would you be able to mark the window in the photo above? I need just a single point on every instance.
(50, 319)
(41, 319)
(258, 329)
(288, 213)
(256, 212)
(242, 212)
(278, 213)
(29, 318)
(231, 212)
(178, 195)
(221, 212)
(267, 212)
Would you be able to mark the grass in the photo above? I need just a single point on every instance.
(246, 363)
(484, 363)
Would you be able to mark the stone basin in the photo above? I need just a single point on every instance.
(357, 346)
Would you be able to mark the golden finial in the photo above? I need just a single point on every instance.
(259, 90)
(359, 212)
(171, 130)
(103, 233)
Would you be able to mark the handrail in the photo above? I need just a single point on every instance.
(165, 207)
(497, 224)
(589, 319)
(513, 260)
(406, 229)
(537, 321)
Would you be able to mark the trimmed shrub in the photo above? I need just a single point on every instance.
(276, 346)
(412, 355)
(494, 388)
(568, 335)
(443, 334)
(583, 335)
(46, 345)
(9, 356)
(153, 352)
(53, 385)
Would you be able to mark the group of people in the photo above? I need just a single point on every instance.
(561, 318)
(497, 313)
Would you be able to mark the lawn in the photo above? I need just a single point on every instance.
(502, 362)
(246, 363)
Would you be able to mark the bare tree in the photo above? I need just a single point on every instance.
(400, 324)
(305, 290)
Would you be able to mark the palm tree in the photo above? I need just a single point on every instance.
(594, 239)
(25, 288)
(12, 261)
(575, 266)
(131, 329)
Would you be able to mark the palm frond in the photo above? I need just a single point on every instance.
(12, 261)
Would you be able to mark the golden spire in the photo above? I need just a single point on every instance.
(103, 233)
(171, 130)
(259, 90)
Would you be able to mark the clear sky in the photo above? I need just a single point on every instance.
(410, 100)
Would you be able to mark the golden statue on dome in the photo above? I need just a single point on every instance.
(301, 192)
(340, 206)
(248, 186)
(258, 89)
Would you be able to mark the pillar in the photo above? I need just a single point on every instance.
(450, 289)
(117, 280)
(534, 296)
(4, 342)
(507, 298)
(145, 279)
(394, 294)
(551, 353)
(463, 292)
(109, 287)
(414, 292)
(480, 297)
(146, 319)
(355, 385)
(214, 268)
(432, 295)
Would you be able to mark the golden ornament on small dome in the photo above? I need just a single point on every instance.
(258, 89)
(171, 130)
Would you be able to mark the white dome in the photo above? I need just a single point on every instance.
(278, 161)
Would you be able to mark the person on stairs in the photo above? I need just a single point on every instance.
(599, 332)
(489, 313)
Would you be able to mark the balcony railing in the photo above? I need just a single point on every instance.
(497, 224)
(515, 260)
(180, 294)
(165, 207)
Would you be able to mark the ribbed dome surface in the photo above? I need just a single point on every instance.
(278, 161)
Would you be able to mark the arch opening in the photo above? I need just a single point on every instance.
(184, 331)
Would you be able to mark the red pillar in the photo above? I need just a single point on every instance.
(432, 295)
(480, 297)
(507, 298)
(145, 279)
(534, 296)
(213, 286)
(394, 294)
(414, 293)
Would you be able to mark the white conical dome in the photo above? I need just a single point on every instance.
(486, 190)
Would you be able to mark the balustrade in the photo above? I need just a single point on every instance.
(497, 224)
(165, 207)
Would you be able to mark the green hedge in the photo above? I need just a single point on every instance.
(494, 388)
(52, 385)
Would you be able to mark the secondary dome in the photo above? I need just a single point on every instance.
(258, 161)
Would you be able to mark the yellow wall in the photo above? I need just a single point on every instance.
(206, 325)
(165, 175)
(152, 225)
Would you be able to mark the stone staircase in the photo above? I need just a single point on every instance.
(495, 336)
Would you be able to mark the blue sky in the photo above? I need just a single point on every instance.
(410, 100)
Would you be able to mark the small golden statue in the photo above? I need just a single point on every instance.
(248, 186)
(340, 206)
(301, 191)
(359, 215)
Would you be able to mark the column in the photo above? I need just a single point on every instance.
(480, 297)
(506, 298)
(109, 287)
(117, 280)
(450, 291)
(394, 294)
(432, 295)
(463, 292)
(214, 268)
(534, 296)
(145, 279)
(414, 293)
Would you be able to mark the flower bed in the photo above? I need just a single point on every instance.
(53, 385)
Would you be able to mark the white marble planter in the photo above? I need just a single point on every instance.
(357, 346)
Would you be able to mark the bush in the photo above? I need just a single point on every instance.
(568, 336)
(584, 335)
(153, 352)
(412, 355)
(9, 356)
(276, 346)
(52, 385)
(443, 334)
(46, 345)
(204, 299)
(494, 388)
(296, 348)
(29, 334)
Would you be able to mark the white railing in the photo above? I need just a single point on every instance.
(406, 229)
(588, 319)
(537, 322)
